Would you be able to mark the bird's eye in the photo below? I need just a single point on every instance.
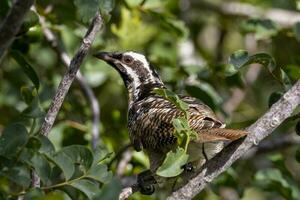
(127, 59)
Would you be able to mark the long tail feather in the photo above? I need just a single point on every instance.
(220, 134)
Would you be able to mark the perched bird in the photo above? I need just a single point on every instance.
(150, 115)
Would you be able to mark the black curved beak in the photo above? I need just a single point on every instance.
(106, 56)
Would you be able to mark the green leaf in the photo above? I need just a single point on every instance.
(270, 178)
(172, 165)
(130, 29)
(27, 68)
(4, 8)
(178, 27)
(19, 175)
(80, 155)
(31, 19)
(64, 162)
(99, 173)
(34, 194)
(180, 124)
(41, 167)
(33, 110)
(263, 28)
(33, 144)
(172, 97)
(87, 187)
(110, 191)
(28, 94)
(296, 29)
(205, 93)
(107, 5)
(87, 8)
(133, 3)
(13, 139)
(241, 58)
(46, 145)
(274, 97)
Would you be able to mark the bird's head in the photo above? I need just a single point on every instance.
(138, 75)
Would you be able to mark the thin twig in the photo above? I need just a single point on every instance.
(87, 90)
(121, 167)
(70, 75)
(126, 192)
(12, 23)
(257, 132)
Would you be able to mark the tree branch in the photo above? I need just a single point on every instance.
(258, 131)
(12, 23)
(70, 75)
(285, 18)
(87, 90)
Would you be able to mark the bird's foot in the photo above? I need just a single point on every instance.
(188, 167)
(146, 182)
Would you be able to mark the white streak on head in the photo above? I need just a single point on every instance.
(142, 58)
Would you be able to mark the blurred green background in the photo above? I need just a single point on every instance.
(189, 43)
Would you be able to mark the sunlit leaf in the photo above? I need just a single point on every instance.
(263, 28)
(132, 32)
(31, 19)
(173, 98)
(241, 59)
(173, 163)
(133, 3)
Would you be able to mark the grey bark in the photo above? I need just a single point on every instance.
(12, 23)
(70, 75)
(87, 90)
(285, 18)
(257, 132)
(263, 127)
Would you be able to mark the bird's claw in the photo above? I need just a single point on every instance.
(188, 167)
(146, 182)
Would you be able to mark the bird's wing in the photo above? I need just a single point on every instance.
(153, 126)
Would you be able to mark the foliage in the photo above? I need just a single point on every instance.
(189, 44)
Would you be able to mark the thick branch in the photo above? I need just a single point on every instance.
(87, 90)
(283, 17)
(258, 131)
(70, 75)
(12, 23)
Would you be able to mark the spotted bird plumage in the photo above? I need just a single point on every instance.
(150, 115)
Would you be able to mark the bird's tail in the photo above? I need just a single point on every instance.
(220, 134)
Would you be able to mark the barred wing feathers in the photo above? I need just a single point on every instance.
(150, 123)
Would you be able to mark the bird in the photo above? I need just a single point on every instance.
(150, 117)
